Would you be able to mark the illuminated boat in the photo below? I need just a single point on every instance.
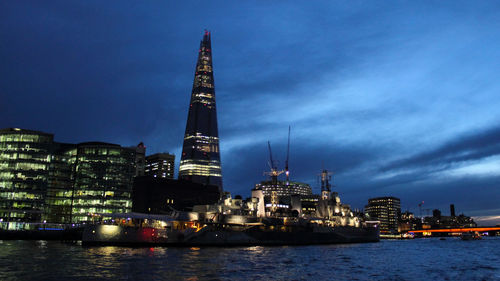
(134, 229)
(471, 236)
(191, 229)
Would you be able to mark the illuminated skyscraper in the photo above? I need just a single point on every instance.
(200, 160)
(386, 210)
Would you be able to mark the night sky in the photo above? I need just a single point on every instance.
(396, 98)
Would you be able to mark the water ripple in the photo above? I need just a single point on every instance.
(420, 259)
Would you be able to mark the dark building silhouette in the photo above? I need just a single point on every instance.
(452, 210)
(140, 159)
(162, 195)
(436, 213)
(160, 165)
(407, 221)
(200, 160)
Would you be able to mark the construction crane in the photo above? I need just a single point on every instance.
(420, 207)
(274, 173)
(287, 171)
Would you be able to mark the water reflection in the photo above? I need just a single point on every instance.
(422, 259)
(41, 243)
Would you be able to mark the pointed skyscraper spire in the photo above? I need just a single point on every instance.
(200, 160)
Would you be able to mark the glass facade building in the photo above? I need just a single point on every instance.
(200, 160)
(60, 187)
(103, 179)
(42, 180)
(24, 171)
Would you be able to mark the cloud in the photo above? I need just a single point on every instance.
(244, 166)
(487, 220)
(388, 96)
(472, 196)
(475, 145)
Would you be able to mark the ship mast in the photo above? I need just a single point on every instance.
(326, 177)
(326, 187)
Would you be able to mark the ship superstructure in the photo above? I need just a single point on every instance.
(234, 221)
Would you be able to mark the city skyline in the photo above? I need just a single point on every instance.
(396, 99)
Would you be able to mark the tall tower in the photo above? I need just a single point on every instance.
(200, 160)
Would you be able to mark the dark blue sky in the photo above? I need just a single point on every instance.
(396, 98)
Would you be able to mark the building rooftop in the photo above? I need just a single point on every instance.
(18, 130)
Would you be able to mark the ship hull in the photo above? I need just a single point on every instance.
(272, 238)
(117, 235)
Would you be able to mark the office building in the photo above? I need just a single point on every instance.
(91, 178)
(386, 210)
(103, 180)
(200, 159)
(59, 196)
(42, 180)
(160, 165)
(24, 171)
(282, 189)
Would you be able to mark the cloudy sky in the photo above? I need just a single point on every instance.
(397, 98)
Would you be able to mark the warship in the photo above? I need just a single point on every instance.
(260, 220)
(142, 230)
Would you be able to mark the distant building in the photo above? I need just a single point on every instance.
(200, 159)
(407, 222)
(439, 221)
(436, 213)
(140, 159)
(276, 197)
(386, 210)
(43, 180)
(160, 165)
(452, 210)
(282, 189)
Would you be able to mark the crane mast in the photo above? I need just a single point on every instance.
(274, 173)
(287, 171)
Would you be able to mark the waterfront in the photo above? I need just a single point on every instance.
(419, 259)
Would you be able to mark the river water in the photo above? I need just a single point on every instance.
(418, 259)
